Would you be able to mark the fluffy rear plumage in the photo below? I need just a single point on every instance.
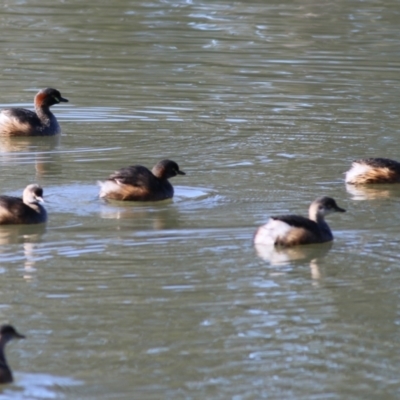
(373, 170)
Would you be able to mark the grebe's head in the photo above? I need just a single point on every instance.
(33, 194)
(166, 169)
(48, 97)
(8, 332)
(324, 206)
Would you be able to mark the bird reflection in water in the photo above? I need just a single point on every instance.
(36, 150)
(373, 192)
(281, 256)
(27, 235)
(143, 215)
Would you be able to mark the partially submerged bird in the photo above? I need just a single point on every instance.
(292, 230)
(7, 333)
(138, 183)
(28, 210)
(373, 170)
(22, 122)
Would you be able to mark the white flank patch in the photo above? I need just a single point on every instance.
(355, 171)
(268, 234)
(107, 187)
(4, 117)
(7, 118)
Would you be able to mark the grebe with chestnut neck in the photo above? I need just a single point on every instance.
(41, 122)
(138, 183)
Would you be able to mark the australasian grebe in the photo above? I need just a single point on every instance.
(373, 170)
(23, 122)
(138, 183)
(7, 333)
(28, 210)
(292, 230)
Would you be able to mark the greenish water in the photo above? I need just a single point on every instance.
(264, 105)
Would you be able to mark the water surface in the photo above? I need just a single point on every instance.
(264, 105)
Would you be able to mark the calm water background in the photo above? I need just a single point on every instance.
(264, 105)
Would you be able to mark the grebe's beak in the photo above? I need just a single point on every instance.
(19, 335)
(179, 172)
(338, 209)
(63, 100)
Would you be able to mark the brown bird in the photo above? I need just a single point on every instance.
(41, 122)
(292, 230)
(7, 333)
(137, 183)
